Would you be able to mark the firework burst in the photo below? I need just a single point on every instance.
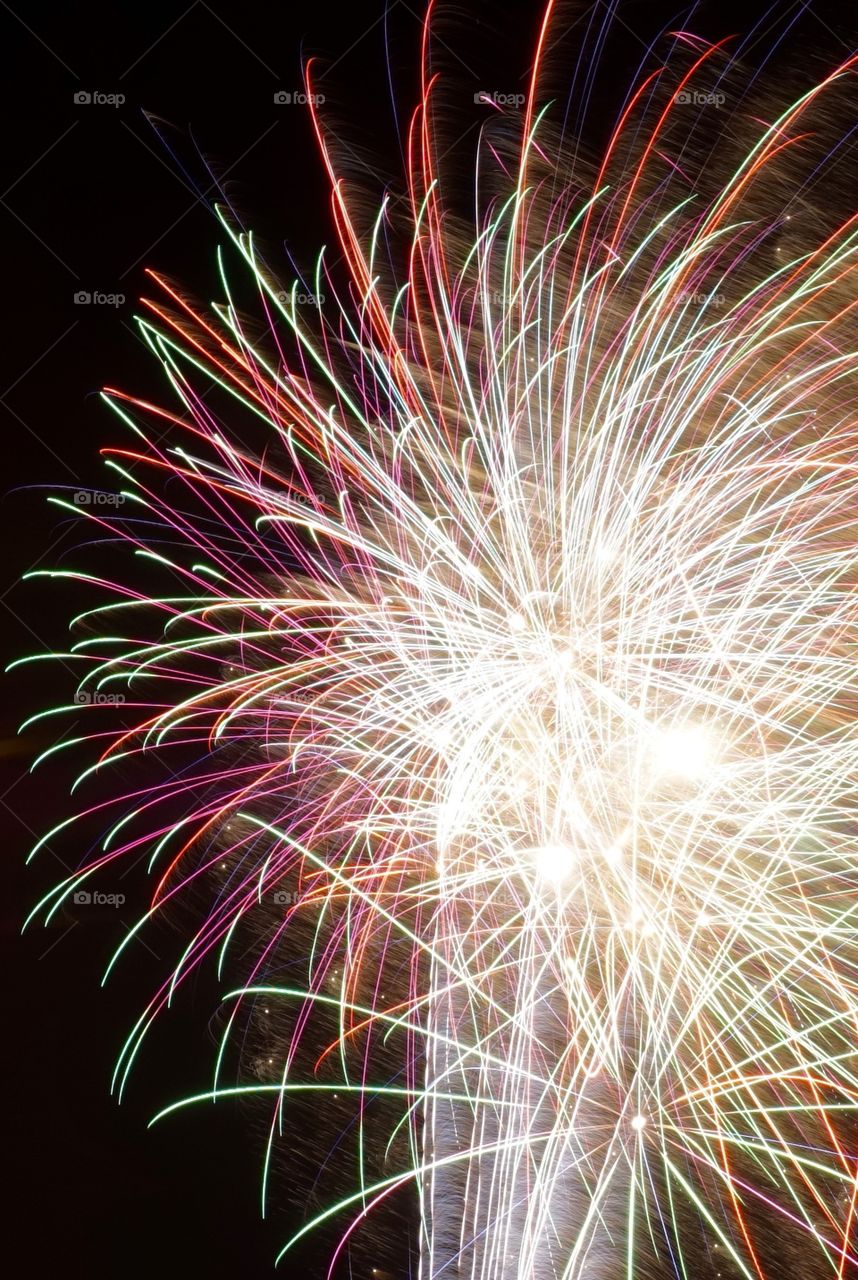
(508, 659)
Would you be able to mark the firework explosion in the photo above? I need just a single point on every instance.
(508, 660)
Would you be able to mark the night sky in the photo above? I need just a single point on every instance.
(92, 193)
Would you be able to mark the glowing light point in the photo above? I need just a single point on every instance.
(638, 1123)
(564, 656)
(685, 751)
(554, 862)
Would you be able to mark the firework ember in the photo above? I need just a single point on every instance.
(506, 659)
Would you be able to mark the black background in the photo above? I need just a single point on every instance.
(92, 194)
